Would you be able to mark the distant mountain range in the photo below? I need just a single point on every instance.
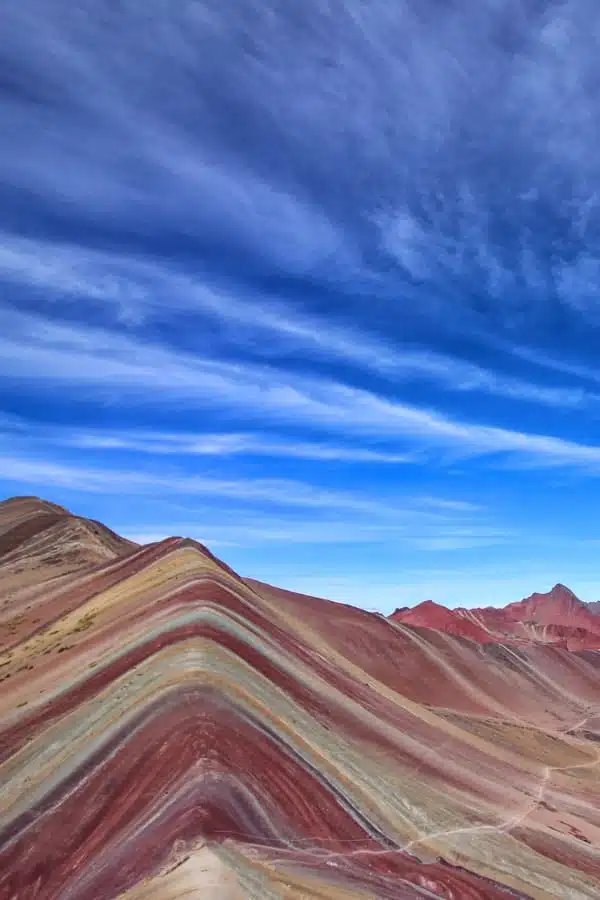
(558, 617)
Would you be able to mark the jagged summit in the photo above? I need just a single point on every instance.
(557, 606)
(559, 591)
(398, 610)
(562, 588)
(556, 617)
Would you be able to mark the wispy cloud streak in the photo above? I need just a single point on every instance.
(137, 290)
(93, 359)
(273, 491)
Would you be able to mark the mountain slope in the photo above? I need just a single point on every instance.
(172, 730)
(41, 544)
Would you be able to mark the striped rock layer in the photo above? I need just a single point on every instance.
(171, 730)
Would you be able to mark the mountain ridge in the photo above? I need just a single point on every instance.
(169, 728)
(556, 617)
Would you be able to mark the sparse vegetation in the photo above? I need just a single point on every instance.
(85, 622)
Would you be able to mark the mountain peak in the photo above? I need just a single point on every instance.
(30, 503)
(559, 594)
(423, 613)
(558, 606)
(562, 589)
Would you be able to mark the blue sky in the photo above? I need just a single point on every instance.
(316, 284)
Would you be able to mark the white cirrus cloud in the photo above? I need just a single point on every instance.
(96, 360)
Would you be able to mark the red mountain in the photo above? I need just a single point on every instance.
(559, 606)
(433, 615)
(557, 617)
